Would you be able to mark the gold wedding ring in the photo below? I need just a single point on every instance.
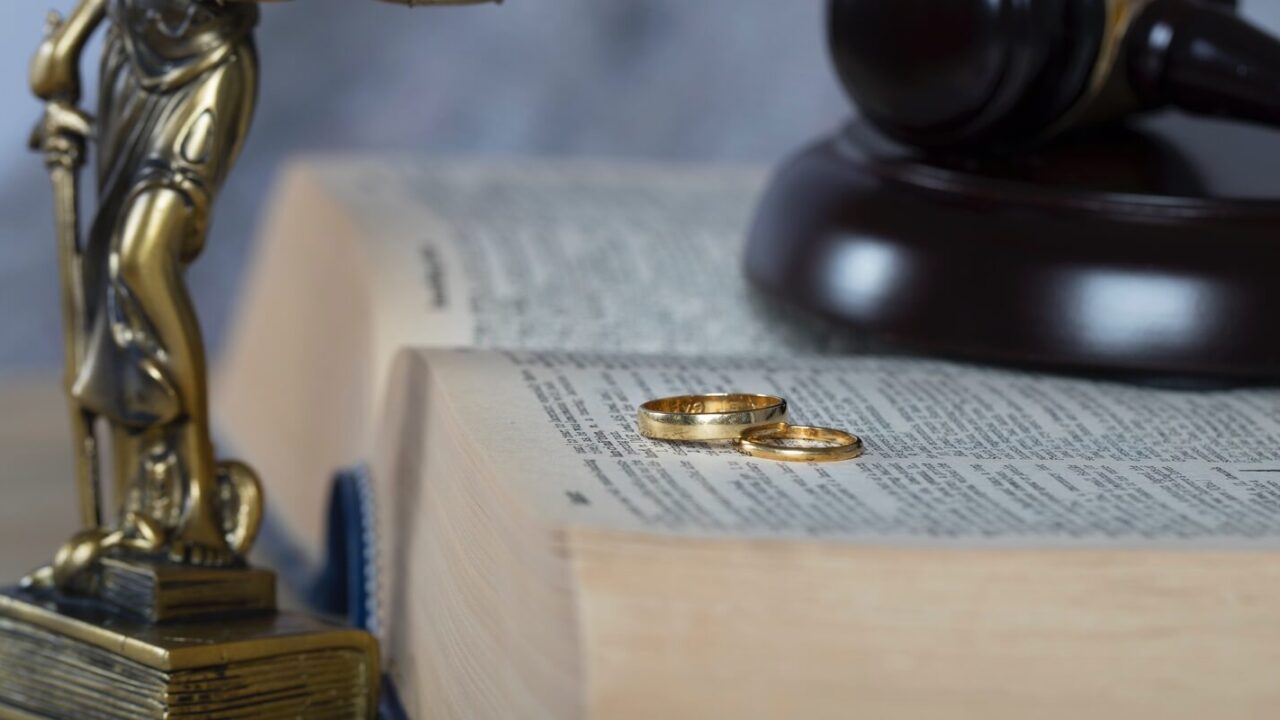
(799, 443)
(714, 416)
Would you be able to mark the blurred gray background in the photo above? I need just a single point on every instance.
(735, 80)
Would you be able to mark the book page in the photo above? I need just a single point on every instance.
(955, 454)
(571, 256)
(363, 257)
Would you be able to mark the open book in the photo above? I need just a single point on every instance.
(1012, 545)
(362, 258)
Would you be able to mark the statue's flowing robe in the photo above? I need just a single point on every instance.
(178, 89)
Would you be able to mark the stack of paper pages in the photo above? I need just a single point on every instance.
(1012, 545)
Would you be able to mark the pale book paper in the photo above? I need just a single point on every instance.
(570, 256)
(346, 280)
(363, 257)
(956, 454)
(516, 588)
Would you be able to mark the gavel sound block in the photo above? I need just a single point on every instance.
(1151, 249)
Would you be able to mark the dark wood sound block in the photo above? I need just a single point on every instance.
(1151, 249)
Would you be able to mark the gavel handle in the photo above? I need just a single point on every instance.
(1202, 57)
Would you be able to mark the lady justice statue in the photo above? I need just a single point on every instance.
(178, 87)
(179, 82)
(156, 595)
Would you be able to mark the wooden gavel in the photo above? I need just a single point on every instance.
(981, 73)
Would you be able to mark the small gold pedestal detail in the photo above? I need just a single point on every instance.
(65, 657)
(161, 592)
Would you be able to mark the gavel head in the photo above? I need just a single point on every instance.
(973, 73)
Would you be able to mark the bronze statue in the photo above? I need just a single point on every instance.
(179, 81)
(159, 590)
(179, 84)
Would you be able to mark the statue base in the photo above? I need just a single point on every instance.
(71, 657)
(161, 592)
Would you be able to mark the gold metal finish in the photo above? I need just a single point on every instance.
(117, 626)
(59, 659)
(799, 443)
(179, 85)
(167, 592)
(712, 416)
(61, 136)
(1107, 92)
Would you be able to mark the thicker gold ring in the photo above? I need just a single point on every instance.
(770, 442)
(712, 416)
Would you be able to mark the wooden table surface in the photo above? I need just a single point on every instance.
(37, 487)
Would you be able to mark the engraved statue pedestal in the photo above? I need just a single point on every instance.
(169, 641)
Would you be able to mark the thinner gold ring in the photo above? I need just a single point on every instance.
(712, 416)
(799, 443)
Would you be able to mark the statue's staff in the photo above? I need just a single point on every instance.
(62, 136)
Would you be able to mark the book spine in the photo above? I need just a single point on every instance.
(348, 584)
